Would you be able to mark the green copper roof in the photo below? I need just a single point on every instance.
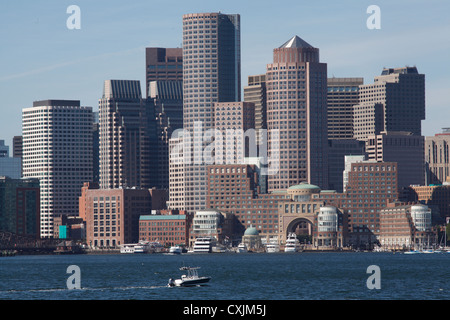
(303, 185)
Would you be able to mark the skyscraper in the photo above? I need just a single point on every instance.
(57, 149)
(163, 64)
(343, 94)
(255, 92)
(211, 73)
(437, 157)
(167, 96)
(127, 138)
(394, 102)
(404, 148)
(297, 106)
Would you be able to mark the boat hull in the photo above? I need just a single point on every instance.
(189, 282)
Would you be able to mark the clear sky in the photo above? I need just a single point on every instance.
(40, 58)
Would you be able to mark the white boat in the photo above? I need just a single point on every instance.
(175, 250)
(242, 248)
(203, 244)
(141, 247)
(127, 248)
(292, 243)
(191, 279)
(272, 247)
(411, 252)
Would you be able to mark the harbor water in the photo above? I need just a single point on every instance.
(248, 276)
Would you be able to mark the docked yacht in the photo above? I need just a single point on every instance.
(204, 244)
(141, 247)
(292, 243)
(242, 248)
(191, 279)
(272, 247)
(175, 250)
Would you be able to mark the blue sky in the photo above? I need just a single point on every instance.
(40, 58)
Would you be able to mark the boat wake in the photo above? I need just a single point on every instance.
(82, 289)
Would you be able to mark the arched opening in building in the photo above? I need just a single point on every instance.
(302, 228)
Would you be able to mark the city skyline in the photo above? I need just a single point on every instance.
(46, 60)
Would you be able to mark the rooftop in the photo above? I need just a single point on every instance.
(296, 42)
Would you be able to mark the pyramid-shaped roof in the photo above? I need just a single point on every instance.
(296, 42)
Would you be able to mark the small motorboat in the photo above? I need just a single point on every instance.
(191, 279)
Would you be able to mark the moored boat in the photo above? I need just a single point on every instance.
(292, 243)
(272, 247)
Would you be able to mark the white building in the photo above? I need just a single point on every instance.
(57, 149)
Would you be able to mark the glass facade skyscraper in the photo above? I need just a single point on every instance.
(211, 73)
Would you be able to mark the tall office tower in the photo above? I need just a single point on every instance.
(176, 173)
(17, 146)
(404, 148)
(297, 106)
(167, 96)
(128, 147)
(437, 157)
(394, 102)
(343, 94)
(234, 121)
(57, 149)
(17, 150)
(211, 73)
(255, 92)
(95, 149)
(163, 64)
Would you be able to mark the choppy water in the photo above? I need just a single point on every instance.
(280, 276)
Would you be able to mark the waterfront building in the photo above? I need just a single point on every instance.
(212, 223)
(112, 215)
(296, 84)
(163, 64)
(127, 138)
(404, 148)
(57, 150)
(168, 227)
(348, 160)
(434, 196)
(319, 226)
(235, 189)
(371, 186)
(437, 157)
(20, 206)
(394, 102)
(406, 226)
(69, 227)
(252, 240)
(211, 73)
(343, 94)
